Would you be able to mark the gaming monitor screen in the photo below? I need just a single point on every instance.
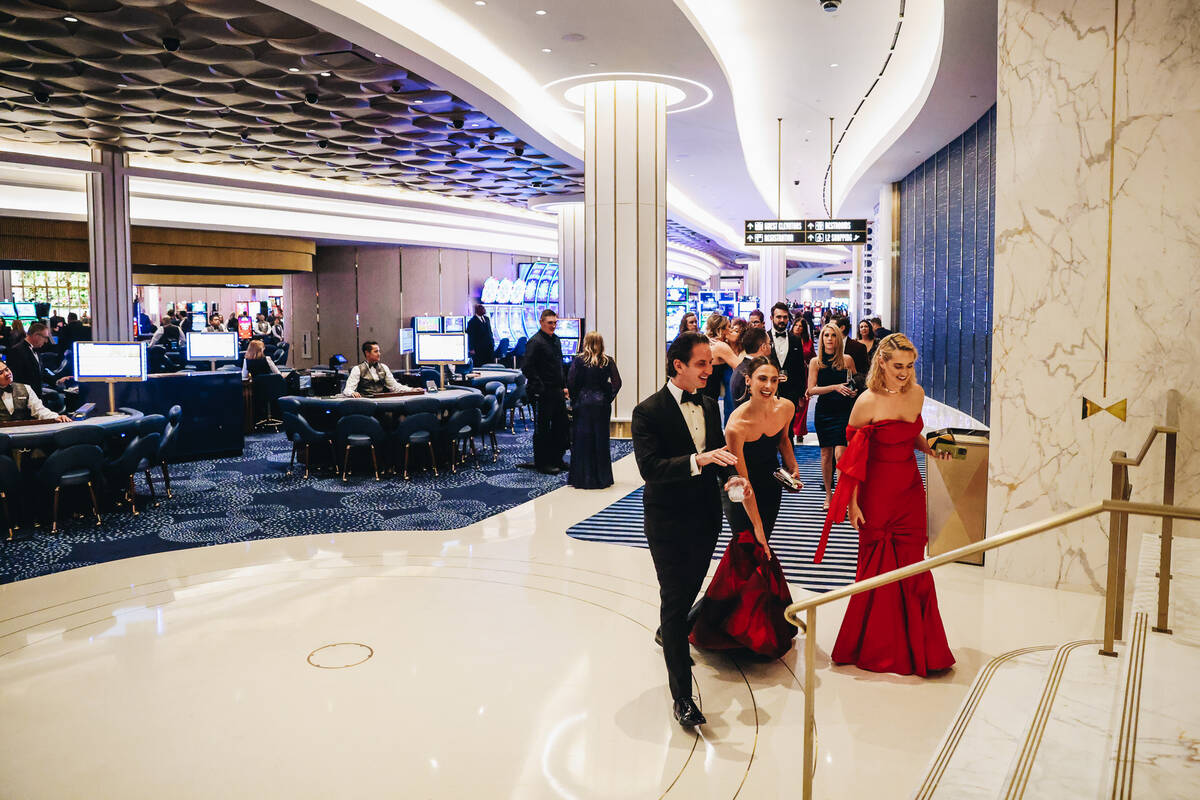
(455, 324)
(677, 294)
(427, 324)
(212, 346)
(568, 328)
(406, 340)
(8, 310)
(441, 348)
(118, 361)
(26, 310)
(569, 347)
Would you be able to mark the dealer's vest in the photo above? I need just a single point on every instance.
(368, 386)
(20, 404)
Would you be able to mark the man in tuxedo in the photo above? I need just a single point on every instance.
(680, 452)
(854, 348)
(481, 345)
(787, 354)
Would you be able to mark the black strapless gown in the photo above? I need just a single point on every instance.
(743, 606)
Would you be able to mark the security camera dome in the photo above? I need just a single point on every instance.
(830, 5)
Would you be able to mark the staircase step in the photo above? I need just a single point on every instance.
(974, 757)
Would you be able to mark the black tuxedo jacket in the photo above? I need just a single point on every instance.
(675, 501)
(797, 383)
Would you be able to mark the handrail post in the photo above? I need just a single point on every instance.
(1122, 556)
(810, 690)
(1114, 540)
(1168, 529)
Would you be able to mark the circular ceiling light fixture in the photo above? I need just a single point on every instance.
(683, 94)
(293, 69)
(73, 19)
(541, 12)
(481, 2)
(547, 50)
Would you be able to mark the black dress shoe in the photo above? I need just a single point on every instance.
(687, 714)
(658, 637)
(549, 470)
(564, 466)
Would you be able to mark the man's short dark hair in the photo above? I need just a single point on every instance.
(72, 317)
(682, 348)
(757, 313)
(37, 327)
(479, 309)
(781, 306)
(876, 321)
(366, 346)
(753, 339)
(843, 322)
(546, 314)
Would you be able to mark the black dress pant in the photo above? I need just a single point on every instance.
(681, 559)
(550, 435)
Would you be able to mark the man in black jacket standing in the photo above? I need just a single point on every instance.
(480, 344)
(23, 361)
(787, 353)
(547, 388)
(680, 452)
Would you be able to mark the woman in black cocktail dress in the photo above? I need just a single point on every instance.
(828, 376)
(593, 382)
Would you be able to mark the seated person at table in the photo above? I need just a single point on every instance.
(18, 402)
(257, 362)
(216, 324)
(261, 326)
(24, 363)
(370, 377)
(168, 334)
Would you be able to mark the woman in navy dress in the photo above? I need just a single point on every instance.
(828, 375)
(593, 382)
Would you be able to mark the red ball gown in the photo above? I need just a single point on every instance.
(895, 628)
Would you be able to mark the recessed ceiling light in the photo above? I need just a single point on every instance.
(377, 55)
(418, 102)
(592, 64)
(541, 12)
(547, 50)
(833, 65)
(73, 19)
(481, 2)
(325, 74)
(122, 85)
(293, 69)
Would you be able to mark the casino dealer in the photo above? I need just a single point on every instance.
(18, 402)
(370, 377)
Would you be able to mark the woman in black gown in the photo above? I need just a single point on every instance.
(827, 378)
(743, 606)
(593, 382)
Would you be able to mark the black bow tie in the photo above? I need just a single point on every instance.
(692, 397)
(780, 334)
(7, 389)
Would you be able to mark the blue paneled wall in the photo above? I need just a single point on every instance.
(947, 254)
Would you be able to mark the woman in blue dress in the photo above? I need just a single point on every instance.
(593, 382)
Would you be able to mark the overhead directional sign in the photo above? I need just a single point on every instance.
(767, 232)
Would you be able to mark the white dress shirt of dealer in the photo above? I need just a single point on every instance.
(18, 402)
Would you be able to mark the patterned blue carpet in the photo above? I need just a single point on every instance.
(797, 530)
(252, 497)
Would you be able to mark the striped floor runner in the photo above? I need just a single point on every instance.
(794, 540)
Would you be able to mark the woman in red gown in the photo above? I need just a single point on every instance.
(895, 628)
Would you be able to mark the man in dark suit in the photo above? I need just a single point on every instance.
(547, 388)
(480, 343)
(23, 361)
(854, 348)
(680, 452)
(877, 327)
(787, 353)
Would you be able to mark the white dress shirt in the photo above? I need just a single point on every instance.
(780, 343)
(377, 372)
(36, 409)
(693, 415)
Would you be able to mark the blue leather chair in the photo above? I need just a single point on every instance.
(458, 430)
(493, 414)
(357, 427)
(168, 445)
(416, 429)
(516, 401)
(300, 432)
(502, 349)
(10, 479)
(77, 460)
(266, 391)
(120, 472)
(151, 425)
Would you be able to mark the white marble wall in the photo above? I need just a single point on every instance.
(1055, 129)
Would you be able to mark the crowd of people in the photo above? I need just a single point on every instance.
(742, 389)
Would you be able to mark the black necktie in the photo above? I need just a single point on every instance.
(692, 397)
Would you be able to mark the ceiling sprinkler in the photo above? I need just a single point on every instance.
(830, 5)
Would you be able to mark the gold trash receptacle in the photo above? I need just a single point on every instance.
(956, 496)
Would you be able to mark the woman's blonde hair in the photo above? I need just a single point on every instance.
(255, 349)
(885, 351)
(715, 323)
(838, 359)
(592, 350)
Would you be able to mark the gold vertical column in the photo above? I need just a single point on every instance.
(625, 231)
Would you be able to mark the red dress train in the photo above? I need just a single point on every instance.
(896, 628)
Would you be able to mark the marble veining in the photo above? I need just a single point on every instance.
(1056, 138)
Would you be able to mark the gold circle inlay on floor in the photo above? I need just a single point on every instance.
(340, 655)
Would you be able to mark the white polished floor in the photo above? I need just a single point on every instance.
(501, 660)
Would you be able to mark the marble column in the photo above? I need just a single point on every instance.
(1075, 316)
(625, 231)
(772, 277)
(110, 293)
(572, 267)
